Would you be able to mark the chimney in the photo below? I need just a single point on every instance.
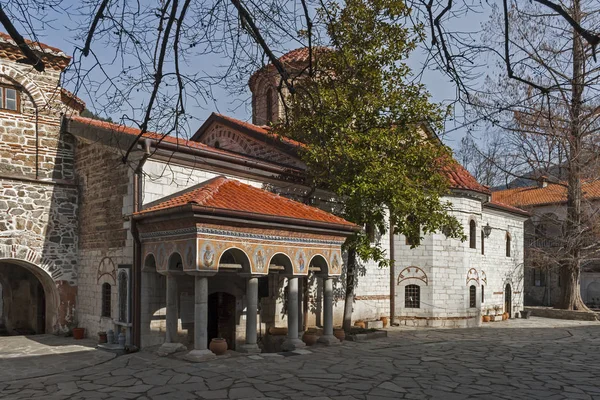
(543, 181)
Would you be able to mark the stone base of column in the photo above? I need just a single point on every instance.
(329, 340)
(249, 348)
(169, 348)
(200, 355)
(292, 344)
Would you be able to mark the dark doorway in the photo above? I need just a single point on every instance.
(221, 318)
(508, 300)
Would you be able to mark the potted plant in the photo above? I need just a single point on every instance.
(339, 333)
(78, 333)
(385, 321)
(497, 316)
(218, 346)
(486, 317)
(310, 337)
(360, 324)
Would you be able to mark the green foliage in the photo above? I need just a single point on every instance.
(89, 114)
(365, 125)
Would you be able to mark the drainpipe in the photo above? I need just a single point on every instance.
(392, 277)
(137, 247)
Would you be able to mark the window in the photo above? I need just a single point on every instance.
(472, 296)
(269, 99)
(507, 244)
(482, 243)
(472, 234)
(539, 278)
(106, 295)
(9, 100)
(482, 294)
(412, 296)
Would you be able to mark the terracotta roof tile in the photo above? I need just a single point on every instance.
(69, 99)
(460, 178)
(5, 37)
(498, 204)
(229, 194)
(553, 193)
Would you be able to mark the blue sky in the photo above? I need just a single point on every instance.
(60, 34)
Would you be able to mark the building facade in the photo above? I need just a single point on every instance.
(212, 237)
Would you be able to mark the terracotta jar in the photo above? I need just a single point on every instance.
(486, 318)
(277, 331)
(309, 338)
(218, 346)
(505, 316)
(360, 324)
(340, 334)
(78, 333)
(385, 321)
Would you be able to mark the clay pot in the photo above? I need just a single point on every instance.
(309, 338)
(102, 337)
(385, 321)
(277, 331)
(360, 324)
(78, 333)
(505, 316)
(340, 334)
(218, 346)
(486, 318)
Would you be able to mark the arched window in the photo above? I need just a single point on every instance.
(482, 243)
(472, 234)
(507, 244)
(472, 296)
(412, 296)
(106, 297)
(269, 102)
(482, 294)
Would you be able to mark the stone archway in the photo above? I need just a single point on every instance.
(31, 298)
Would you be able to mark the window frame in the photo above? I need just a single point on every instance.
(472, 296)
(472, 234)
(482, 294)
(508, 244)
(482, 243)
(413, 291)
(3, 90)
(269, 106)
(106, 298)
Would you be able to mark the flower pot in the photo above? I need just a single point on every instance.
(78, 333)
(385, 321)
(504, 316)
(360, 324)
(277, 331)
(309, 338)
(218, 346)
(102, 337)
(340, 334)
(486, 318)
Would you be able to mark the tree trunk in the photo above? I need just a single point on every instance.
(571, 264)
(350, 284)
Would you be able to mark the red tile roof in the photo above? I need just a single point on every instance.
(53, 58)
(71, 100)
(460, 178)
(506, 207)
(231, 195)
(5, 37)
(553, 193)
(260, 132)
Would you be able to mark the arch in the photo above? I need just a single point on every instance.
(36, 95)
(412, 272)
(149, 262)
(175, 262)
(51, 294)
(472, 234)
(282, 260)
(592, 293)
(472, 276)
(16, 252)
(235, 255)
(319, 261)
(508, 244)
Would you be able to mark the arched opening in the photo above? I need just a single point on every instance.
(29, 299)
(175, 262)
(508, 300)
(508, 240)
(472, 296)
(472, 234)
(221, 317)
(319, 265)
(281, 263)
(154, 302)
(235, 260)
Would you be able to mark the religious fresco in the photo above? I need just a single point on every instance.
(203, 252)
(472, 275)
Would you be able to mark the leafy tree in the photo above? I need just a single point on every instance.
(366, 129)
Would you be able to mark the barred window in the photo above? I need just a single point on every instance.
(106, 295)
(472, 234)
(412, 296)
(472, 296)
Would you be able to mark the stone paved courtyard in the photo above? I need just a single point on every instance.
(517, 359)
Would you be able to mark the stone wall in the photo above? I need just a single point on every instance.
(38, 198)
(105, 187)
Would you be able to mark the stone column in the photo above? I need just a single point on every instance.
(170, 345)
(292, 342)
(251, 310)
(300, 307)
(328, 337)
(200, 352)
